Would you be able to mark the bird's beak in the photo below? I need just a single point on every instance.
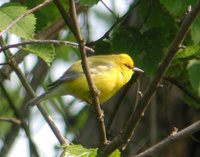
(138, 70)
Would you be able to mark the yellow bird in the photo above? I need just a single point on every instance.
(109, 73)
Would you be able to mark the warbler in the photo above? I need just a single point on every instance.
(109, 73)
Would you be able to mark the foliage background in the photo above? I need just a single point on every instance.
(145, 32)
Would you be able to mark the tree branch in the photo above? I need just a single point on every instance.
(107, 7)
(10, 120)
(93, 90)
(55, 42)
(171, 138)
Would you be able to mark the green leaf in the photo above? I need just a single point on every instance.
(116, 153)
(177, 70)
(45, 15)
(78, 150)
(89, 2)
(44, 51)
(177, 8)
(155, 40)
(193, 72)
(23, 28)
(128, 39)
(188, 51)
(195, 29)
(154, 15)
(194, 102)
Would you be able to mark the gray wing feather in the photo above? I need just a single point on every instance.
(66, 77)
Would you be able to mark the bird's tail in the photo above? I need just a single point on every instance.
(36, 100)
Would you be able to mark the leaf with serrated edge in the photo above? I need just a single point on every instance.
(23, 28)
(44, 51)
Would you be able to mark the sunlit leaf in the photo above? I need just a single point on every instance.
(193, 72)
(23, 28)
(195, 29)
(44, 51)
(78, 150)
(188, 51)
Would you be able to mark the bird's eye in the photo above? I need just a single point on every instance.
(128, 66)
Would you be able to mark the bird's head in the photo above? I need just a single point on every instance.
(127, 66)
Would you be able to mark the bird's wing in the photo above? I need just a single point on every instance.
(67, 76)
(95, 66)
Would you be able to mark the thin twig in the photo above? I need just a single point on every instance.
(93, 90)
(143, 103)
(55, 42)
(138, 96)
(11, 120)
(31, 92)
(107, 7)
(118, 21)
(173, 137)
(24, 15)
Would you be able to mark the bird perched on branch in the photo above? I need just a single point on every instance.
(109, 74)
